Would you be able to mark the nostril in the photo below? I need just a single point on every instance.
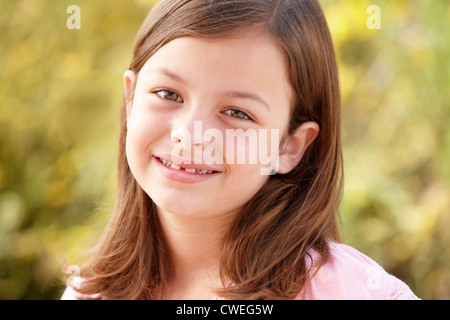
(176, 139)
(179, 135)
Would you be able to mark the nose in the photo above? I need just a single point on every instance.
(187, 135)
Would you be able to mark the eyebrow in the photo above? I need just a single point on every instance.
(232, 94)
(168, 73)
(248, 95)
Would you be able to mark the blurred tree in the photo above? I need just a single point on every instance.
(60, 90)
(396, 109)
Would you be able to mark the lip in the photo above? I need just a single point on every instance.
(185, 163)
(181, 175)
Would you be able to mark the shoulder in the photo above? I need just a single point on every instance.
(349, 274)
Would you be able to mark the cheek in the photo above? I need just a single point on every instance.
(246, 159)
(138, 135)
(142, 131)
(246, 182)
(135, 151)
(256, 150)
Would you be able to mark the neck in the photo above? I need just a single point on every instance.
(194, 245)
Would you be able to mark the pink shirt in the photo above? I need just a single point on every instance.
(351, 275)
(347, 275)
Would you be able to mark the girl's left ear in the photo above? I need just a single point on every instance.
(295, 146)
(129, 83)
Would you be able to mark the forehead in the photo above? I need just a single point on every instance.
(249, 57)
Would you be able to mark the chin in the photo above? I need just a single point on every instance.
(181, 207)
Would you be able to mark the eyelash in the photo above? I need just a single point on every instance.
(228, 112)
(167, 91)
(248, 118)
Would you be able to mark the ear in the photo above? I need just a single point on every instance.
(129, 84)
(295, 146)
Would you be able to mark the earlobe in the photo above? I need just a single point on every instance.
(129, 83)
(291, 153)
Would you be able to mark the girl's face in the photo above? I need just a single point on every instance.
(190, 97)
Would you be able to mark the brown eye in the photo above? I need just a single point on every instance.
(169, 95)
(238, 114)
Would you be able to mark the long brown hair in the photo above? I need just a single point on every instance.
(266, 248)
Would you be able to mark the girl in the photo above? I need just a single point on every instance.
(187, 228)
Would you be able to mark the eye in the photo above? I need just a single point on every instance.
(168, 95)
(238, 114)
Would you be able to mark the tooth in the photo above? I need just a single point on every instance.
(190, 170)
(174, 166)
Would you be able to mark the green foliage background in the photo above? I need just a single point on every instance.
(60, 92)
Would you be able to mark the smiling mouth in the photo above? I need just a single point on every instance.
(190, 170)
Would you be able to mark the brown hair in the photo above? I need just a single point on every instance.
(266, 248)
